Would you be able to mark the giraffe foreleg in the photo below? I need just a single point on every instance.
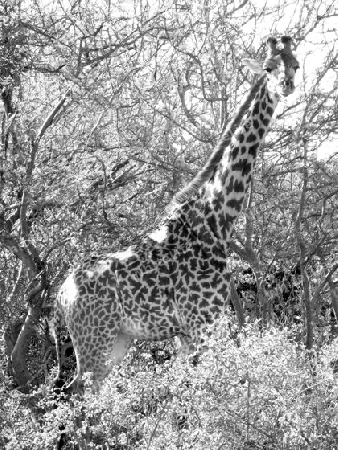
(109, 351)
(188, 345)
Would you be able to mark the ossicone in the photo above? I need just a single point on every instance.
(287, 42)
(271, 42)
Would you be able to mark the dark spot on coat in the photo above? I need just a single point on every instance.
(235, 152)
(265, 121)
(225, 223)
(211, 220)
(251, 138)
(256, 109)
(253, 150)
(238, 186)
(235, 204)
(203, 303)
(246, 169)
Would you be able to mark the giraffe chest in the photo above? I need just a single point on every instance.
(159, 298)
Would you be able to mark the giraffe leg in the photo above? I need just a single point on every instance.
(121, 346)
(192, 338)
(119, 350)
(188, 346)
(99, 363)
(92, 352)
(193, 344)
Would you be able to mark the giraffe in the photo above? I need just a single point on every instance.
(176, 281)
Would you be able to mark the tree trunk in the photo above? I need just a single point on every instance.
(10, 337)
(237, 304)
(19, 356)
(302, 253)
(308, 307)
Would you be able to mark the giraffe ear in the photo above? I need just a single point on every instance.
(254, 65)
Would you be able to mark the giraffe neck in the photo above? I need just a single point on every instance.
(224, 194)
(210, 218)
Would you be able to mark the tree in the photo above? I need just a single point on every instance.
(107, 112)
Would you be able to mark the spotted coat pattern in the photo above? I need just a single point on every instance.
(177, 281)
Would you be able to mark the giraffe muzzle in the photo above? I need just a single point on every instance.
(287, 87)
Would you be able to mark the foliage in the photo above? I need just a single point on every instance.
(108, 109)
(261, 390)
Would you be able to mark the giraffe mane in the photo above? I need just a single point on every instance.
(207, 171)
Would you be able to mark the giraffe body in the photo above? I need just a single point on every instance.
(153, 292)
(176, 281)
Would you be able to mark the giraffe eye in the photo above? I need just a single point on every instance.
(268, 69)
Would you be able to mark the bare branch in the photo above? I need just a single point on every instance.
(48, 122)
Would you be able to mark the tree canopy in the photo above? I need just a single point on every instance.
(109, 107)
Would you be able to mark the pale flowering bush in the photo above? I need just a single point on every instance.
(260, 390)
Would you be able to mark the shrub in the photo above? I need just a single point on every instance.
(261, 390)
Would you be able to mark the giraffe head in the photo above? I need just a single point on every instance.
(280, 66)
